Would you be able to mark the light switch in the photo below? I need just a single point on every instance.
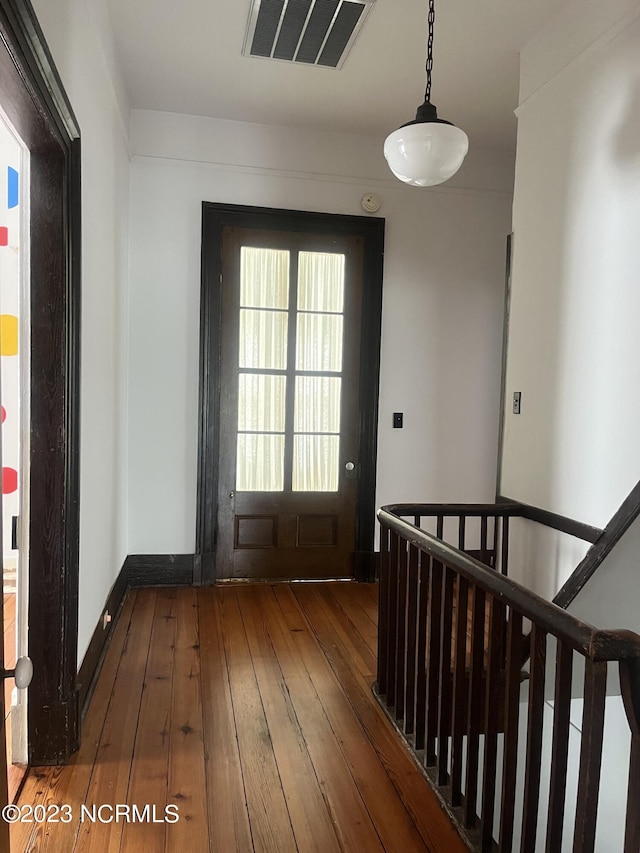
(397, 420)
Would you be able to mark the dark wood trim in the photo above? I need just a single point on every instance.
(214, 218)
(367, 565)
(159, 570)
(551, 519)
(209, 402)
(506, 508)
(92, 662)
(28, 42)
(197, 569)
(42, 114)
(505, 350)
(373, 232)
(613, 532)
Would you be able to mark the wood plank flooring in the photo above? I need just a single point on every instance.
(249, 709)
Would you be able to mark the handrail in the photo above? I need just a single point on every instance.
(593, 643)
(452, 642)
(586, 532)
(504, 508)
(508, 508)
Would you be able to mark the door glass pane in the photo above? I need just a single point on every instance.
(260, 463)
(319, 342)
(317, 404)
(263, 339)
(321, 282)
(264, 278)
(261, 403)
(315, 463)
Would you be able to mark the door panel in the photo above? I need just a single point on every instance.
(289, 430)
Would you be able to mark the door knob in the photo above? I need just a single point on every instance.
(350, 471)
(23, 673)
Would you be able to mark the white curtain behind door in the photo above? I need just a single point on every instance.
(266, 326)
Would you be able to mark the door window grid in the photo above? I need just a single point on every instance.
(261, 439)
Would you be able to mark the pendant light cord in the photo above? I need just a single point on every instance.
(432, 17)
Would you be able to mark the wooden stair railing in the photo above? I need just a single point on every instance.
(453, 635)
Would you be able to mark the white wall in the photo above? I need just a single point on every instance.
(574, 347)
(541, 558)
(442, 314)
(79, 39)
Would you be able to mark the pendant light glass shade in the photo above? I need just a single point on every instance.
(429, 150)
(426, 153)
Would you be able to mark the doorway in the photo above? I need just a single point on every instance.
(290, 352)
(288, 455)
(34, 103)
(14, 400)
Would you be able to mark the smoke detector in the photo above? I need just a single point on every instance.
(311, 32)
(370, 203)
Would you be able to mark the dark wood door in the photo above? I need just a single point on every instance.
(289, 431)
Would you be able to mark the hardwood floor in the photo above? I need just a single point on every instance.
(249, 708)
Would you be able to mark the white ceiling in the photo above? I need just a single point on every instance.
(186, 57)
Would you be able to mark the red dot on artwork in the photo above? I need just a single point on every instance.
(4, 236)
(9, 480)
(4, 414)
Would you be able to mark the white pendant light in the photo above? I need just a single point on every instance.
(429, 150)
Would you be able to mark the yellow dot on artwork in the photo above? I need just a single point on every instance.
(8, 334)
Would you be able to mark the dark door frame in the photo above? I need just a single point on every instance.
(214, 218)
(35, 101)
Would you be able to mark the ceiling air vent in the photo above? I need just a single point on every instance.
(314, 32)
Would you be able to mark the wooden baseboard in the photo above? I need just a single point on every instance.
(92, 661)
(160, 569)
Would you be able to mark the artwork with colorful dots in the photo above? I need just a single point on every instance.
(12, 156)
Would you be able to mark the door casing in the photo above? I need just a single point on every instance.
(214, 218)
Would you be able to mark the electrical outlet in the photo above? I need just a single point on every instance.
(106, 618)
(517, 398)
